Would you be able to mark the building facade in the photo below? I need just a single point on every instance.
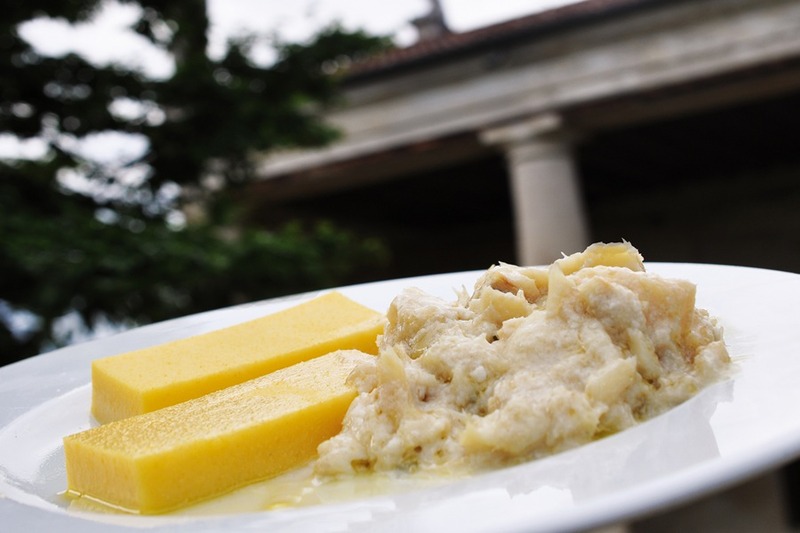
(647, 120)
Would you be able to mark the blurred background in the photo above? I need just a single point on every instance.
(163, 158)
(159, 159)
(130, 136)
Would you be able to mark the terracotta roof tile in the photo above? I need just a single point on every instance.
(456, 42)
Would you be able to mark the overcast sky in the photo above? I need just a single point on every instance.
(109, 39)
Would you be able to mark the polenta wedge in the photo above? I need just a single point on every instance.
(145, 380)
(163, 460)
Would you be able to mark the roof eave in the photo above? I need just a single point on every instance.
(526, 28)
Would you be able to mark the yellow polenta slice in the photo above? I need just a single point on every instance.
(175, 456)
(145, 380)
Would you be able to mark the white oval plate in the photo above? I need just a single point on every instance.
(727, 433)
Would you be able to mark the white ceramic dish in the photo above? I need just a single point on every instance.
(729, 432)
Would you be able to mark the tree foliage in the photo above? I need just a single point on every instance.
(98, 240)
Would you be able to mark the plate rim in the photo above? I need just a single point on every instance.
(717, 475)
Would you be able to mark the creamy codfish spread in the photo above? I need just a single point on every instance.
(534, 361)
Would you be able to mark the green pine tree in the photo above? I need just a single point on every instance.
(110, 250)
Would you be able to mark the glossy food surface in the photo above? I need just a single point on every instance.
(161, 460)
(145, 380)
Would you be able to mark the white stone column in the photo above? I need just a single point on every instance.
(548, 209)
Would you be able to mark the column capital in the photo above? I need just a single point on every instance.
(523, 131)
(541, 136)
